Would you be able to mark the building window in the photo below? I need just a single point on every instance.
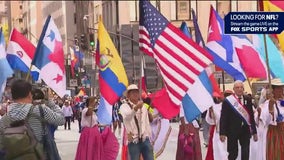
(156, 3)
(181, 10)
(234, 6)
(223, 8)
(134, 8)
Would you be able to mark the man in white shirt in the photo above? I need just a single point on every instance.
(137, 125)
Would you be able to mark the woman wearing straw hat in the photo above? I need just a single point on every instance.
(272, 114)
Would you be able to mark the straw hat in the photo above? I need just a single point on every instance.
(277, 82)
(129, 88)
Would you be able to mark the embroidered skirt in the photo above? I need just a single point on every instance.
(275, 142)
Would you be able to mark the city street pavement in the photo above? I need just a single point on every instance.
(67, 141)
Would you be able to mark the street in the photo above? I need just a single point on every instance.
(67, 141)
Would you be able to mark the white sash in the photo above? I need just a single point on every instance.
(239, 108)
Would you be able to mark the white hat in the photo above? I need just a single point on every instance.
(129, 88)
(277, 82)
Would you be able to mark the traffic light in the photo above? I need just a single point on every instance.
(83, 41)
(76, 40)
(92, 41)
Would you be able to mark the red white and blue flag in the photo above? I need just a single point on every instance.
(49, 58)
(112, 76)
(249, 57)
(220, 46)
(179, 59)
(199, 96)
(20, 52)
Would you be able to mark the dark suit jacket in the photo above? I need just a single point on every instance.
(231, 122)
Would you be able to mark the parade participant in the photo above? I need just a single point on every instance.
(116, 122)
(272, 114)
(188, 146)
(237, 122)
(136, 121)
(93, 144)
(68, 112)
(80, 104)
(161, 128)
(217, 150)
(263, 94)
(262, 123)
(258, 148)
(22, 109)
(205, 128)
(90, 142)
(89, 118)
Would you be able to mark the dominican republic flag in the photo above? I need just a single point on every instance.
(20, 52)
(49, 58)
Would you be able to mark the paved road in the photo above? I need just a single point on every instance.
(67, 141)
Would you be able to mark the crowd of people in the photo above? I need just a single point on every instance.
(235, 127)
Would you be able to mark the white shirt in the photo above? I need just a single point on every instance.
(143, 120)
(88, 121)
(67, 111)
(267, 117)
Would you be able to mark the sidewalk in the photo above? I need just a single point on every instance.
(67, 141)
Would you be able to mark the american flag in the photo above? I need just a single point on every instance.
(179, 59)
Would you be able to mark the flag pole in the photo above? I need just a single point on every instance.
(140, 82)
(223, 79)
(97, 65)
(260, 7)
(29, 73)
(267, 62)
(250, 86)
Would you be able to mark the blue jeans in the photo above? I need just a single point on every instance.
(145, 148)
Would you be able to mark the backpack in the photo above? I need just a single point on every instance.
(20, 142)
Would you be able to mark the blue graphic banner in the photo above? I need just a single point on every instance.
(254, 22)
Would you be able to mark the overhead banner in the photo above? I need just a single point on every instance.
(254, 22)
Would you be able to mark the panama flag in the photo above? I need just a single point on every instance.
(20, 53)
(49, 58)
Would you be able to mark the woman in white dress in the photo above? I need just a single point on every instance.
(272, 114)
(213, 118)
